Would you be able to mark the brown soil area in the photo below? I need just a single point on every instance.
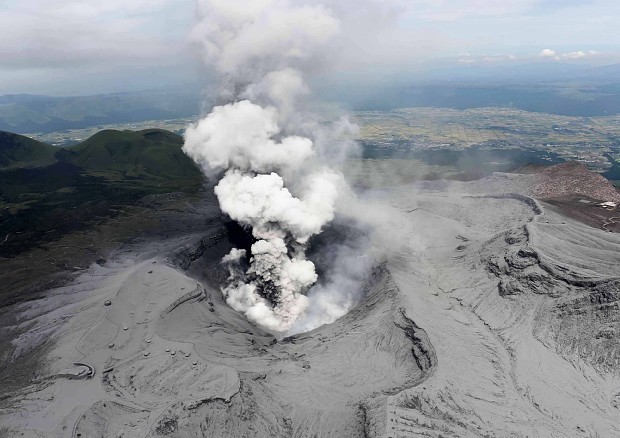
(588, 213)
(573, 178)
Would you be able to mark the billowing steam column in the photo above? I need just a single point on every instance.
(239, 138)
(273, 177)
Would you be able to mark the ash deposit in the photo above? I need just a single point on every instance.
(286, 304)
(495, 317)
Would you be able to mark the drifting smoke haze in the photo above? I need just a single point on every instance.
(278, 164)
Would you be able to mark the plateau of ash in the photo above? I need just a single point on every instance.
(500, 319)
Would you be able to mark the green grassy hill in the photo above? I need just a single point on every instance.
(19, 151)
(47, 191)
(135, 154)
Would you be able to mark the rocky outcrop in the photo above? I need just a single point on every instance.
(583, 319)
(184, 257)
(574, 178)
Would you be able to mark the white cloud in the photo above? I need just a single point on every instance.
(498, 58)
(580, 54)
(574, 55)
(568, 56)
(548, 53)
(486, 59)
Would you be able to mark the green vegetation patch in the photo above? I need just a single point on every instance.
(20, 151)
(45, 196)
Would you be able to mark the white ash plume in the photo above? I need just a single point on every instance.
(271, 152)
(239, 137)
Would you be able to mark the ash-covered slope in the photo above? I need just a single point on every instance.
(318, 383)
(520, 304)
(496, 317)
(578, 268)
(172, 358)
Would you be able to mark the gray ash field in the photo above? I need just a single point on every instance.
(281, 270)
(497, 316)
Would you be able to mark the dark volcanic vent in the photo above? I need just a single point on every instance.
(240, 237)
(323, 249)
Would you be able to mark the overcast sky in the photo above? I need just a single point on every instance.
(64, 47)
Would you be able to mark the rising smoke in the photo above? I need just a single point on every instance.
(278, 163)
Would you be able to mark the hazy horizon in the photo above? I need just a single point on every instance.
(68, 48)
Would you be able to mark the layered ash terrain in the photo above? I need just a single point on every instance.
(496, 317)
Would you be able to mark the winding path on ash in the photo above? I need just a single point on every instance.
(496, 318)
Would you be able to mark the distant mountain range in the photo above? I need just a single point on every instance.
(582, 100)
(46, 191)
(551, 88)
(26, 113)
(564, 89)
